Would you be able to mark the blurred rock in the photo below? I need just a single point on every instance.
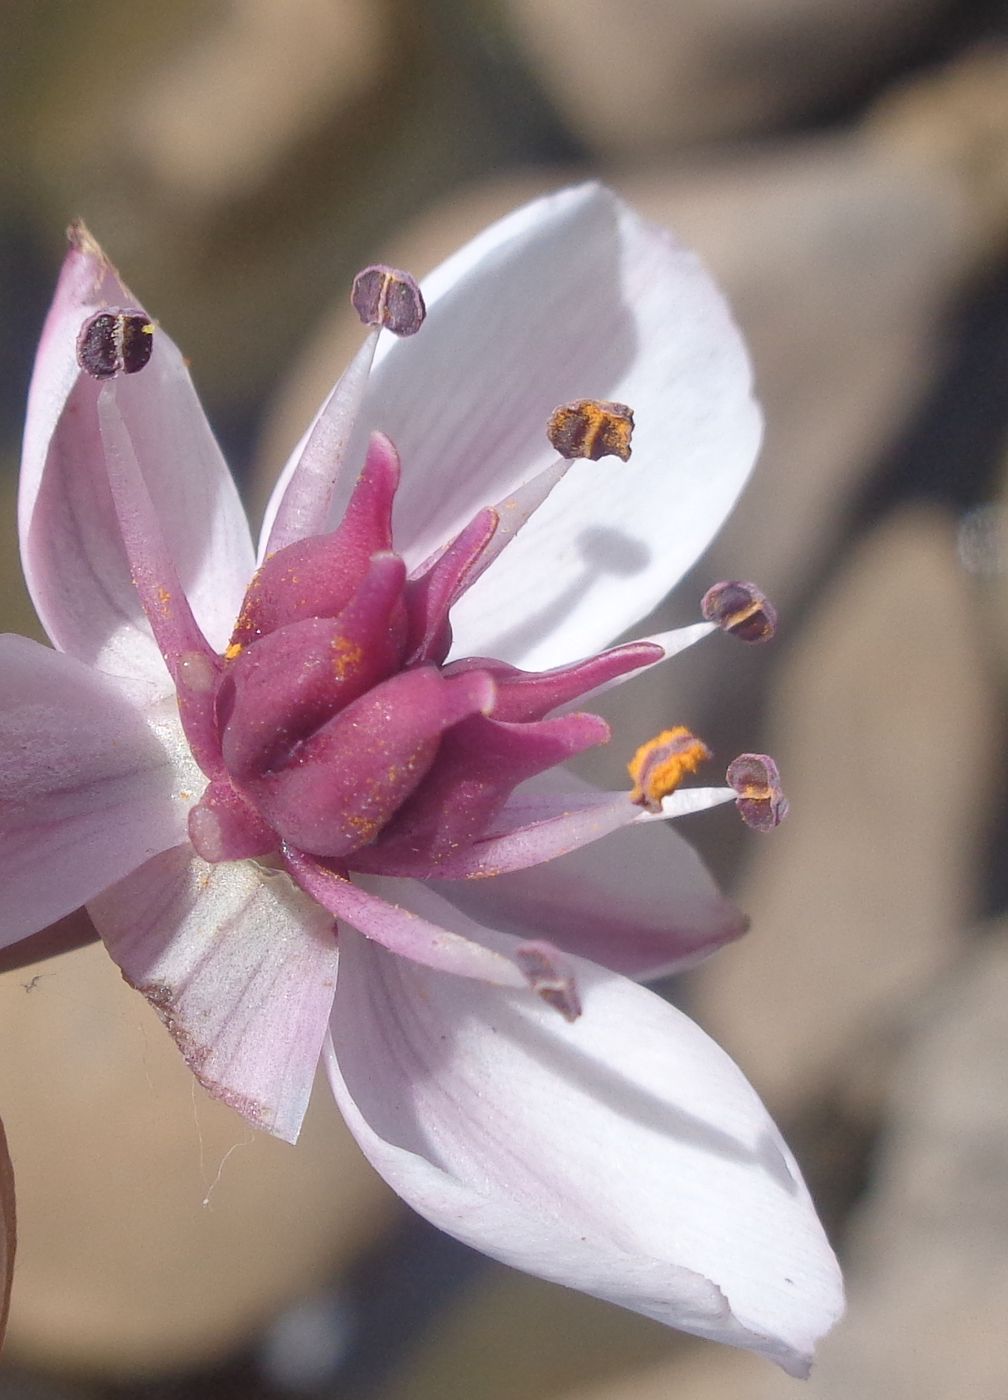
(701, 1373)
(954, 119)
(643, 77)
(16, 611)
(983, 551)
(225, 110)
(882, 721)
(511, 1337)
(928, 1286)
(157, 1231)
(200, 104)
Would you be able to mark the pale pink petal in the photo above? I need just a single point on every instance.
(239, 965)
(640, 902)
(91, 785)
(572, 296)
(73, 558)
(623, 1154)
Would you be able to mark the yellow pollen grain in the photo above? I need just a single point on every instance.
(164, 598)
(756, 792)
(742, 615)
(345, 655)
(659, 766)
(235, 649)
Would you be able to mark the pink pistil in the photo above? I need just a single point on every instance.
(304, 508)
(316, 576)
(431, 594)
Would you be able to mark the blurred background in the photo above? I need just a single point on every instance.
(842, 166)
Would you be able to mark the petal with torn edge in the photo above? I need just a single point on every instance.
(239, 965)
(73, 558)
(90, 785)
(623, 1154)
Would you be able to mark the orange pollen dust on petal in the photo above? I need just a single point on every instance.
(345, 655)
(659, 766)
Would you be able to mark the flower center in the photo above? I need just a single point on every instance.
(339, 721)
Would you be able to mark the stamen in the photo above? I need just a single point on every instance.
(585, 428)
(385, 296)
(550, 977)
(761, 801)
(190, 659)
(591, 428)
(397, 929)
(304, 507)
(659, 766)
(114, 342)
(512, 512)
(431, 594)
(741, 609)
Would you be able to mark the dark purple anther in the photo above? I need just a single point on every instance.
(591, 428)
(114, 342)
(384, 296)
(761, 802)
(741, 609)
(550, 977)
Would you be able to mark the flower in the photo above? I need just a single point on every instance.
(219, 760)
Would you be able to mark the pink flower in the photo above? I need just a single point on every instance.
(219, 761)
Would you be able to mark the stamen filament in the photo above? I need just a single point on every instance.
(671, 642)
(192, 663)
(513, 511)
(304, 508)
(397, 929)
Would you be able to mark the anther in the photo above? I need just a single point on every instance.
(591, 428)
(113, 342)
(549, 978)
(741, 609)
(761, 802)
(659, 766)
(384, 296)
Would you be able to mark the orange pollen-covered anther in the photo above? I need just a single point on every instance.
(659, 766)
(591, 428)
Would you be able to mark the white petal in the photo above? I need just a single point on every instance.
(73, 557)
(239, 965)
(623, 1154)
(570, 297)
(91, 784)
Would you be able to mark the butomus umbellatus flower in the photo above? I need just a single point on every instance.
(317, 807)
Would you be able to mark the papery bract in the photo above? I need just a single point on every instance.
(222, 762)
